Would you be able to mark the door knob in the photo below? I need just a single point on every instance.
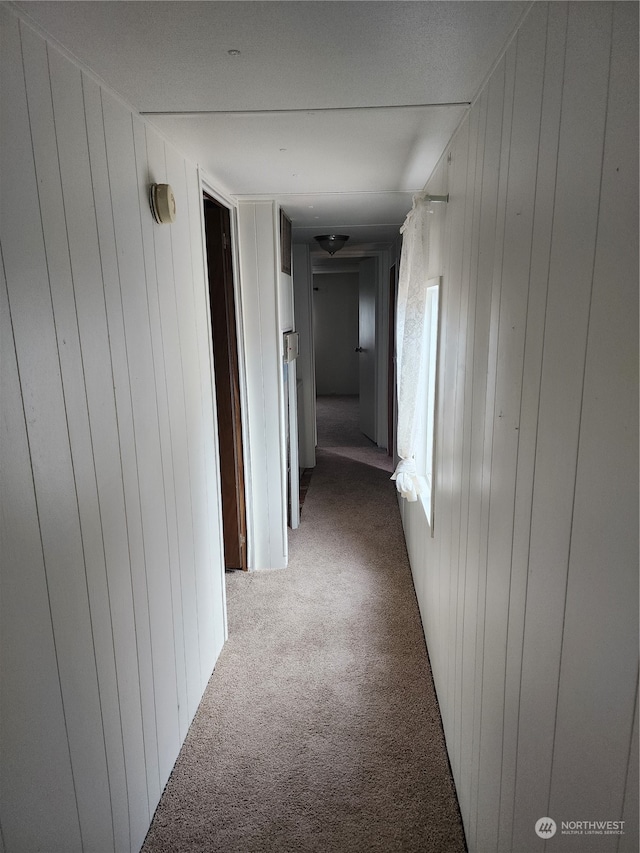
(359, 349)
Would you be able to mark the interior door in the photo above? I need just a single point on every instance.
(367, 346)
(227, 380)
(291, 419)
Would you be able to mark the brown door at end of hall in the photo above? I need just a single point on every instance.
(225, 361)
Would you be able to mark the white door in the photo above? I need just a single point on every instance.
(367, 347)
(291, 442)
(294, 472)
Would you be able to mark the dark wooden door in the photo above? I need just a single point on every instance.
(225, 362)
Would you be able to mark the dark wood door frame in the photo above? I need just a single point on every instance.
(227, 381)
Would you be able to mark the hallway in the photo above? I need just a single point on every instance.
(319, 730)
(515, 127)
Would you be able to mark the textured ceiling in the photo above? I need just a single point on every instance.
(339, 109)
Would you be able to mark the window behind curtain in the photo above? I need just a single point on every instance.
(425, 445)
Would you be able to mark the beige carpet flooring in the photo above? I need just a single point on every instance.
(319, 731)
(339, 432)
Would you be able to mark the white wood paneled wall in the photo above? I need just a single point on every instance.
(529, 588)
(112, 573)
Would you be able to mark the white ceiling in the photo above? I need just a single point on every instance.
(340, 109)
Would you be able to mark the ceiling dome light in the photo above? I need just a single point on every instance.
(331, 243)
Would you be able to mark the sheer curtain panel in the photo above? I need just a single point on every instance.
(411, 341)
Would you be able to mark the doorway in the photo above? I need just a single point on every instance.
(217, 221)
(344, 321)
(367, 308)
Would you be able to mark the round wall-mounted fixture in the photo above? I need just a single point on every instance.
(163, 203)
(331, 243)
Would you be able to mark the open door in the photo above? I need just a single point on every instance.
(291, 427)
(367, 346)
(225, 364)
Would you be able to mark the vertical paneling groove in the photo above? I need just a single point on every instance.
(29, 655)
(536, 544)
(482, 286)
(468, 593)
(572, 252)
(66, 260)
(181, 472)
(162, 606)
(92, 782)
(162, 404)
(38, 360)
(601, 619)
(470, 589)
(479, 824)
(512, 318)
(107, 410)
(462, 344)
(99, 512)
(128, 446)
(544, 195)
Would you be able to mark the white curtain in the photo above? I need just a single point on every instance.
(411, 340)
